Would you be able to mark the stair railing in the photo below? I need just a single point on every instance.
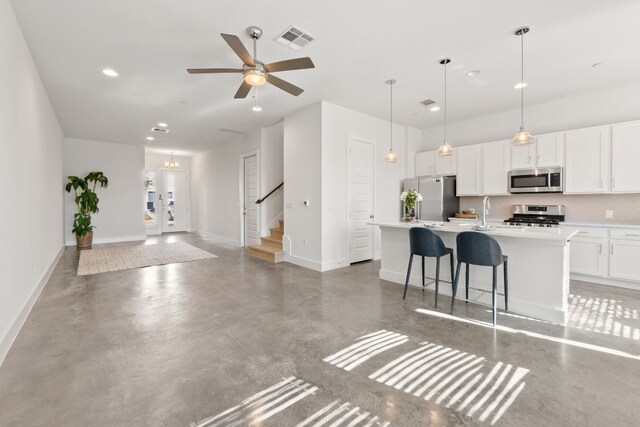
(270, 193)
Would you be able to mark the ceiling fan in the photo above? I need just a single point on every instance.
(257, 73)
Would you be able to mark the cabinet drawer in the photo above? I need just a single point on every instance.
(626, 233)
(599, 233)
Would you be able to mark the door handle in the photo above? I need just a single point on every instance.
(370, 216)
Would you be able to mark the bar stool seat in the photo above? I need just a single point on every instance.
(425, 243)
(475, 248)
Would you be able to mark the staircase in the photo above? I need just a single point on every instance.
(271, 247)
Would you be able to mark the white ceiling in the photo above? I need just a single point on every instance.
(360, 44)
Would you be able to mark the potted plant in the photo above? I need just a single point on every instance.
(87, 202)
(410, 198)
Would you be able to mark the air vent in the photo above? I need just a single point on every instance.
(231, 131)
(427, 102)
(160, 130)
(295, 38)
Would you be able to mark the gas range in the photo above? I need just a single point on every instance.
(549, 216)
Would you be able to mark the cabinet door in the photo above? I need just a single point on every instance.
(469, 177)
(496, 162)
(446, 165)
(623, 259)
(588, 256)
(523, 156)
(625, 152)
(550, 150)
(588, 160)
(425, 163)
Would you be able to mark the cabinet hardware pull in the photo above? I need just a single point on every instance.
(613, 182)
(529, 162)
(612, 249)
(538, 158)
(600, 248)
(583, 232)
(633, 235)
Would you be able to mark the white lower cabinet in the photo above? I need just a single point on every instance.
(589, 253)
(624, 254)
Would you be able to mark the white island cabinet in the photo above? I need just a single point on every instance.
(538, 267)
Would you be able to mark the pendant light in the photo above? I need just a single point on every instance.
(522, 137)
(171, 164)
(445, 149)
(391, 156)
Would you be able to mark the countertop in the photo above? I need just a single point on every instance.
(636, 226)
(552, 234)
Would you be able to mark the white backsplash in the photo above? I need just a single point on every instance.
(580, 208)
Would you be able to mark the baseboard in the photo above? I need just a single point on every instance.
(304, 262)
(218, 239)
(605, 281)
(334, 264)
(16, 326)
(121, 239)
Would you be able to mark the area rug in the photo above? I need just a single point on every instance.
(117, 258)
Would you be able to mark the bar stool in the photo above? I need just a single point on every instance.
(425, 243)
(480, 249)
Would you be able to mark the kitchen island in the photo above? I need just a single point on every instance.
(538, 266)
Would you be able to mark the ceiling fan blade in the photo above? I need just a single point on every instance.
(285, 86)
(290, 64)
(237, 46)
(213, 70)
(243, 91)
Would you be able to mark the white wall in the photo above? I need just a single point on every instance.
(215, 189)
(271, 175)
(30, 181)
(338, 123)
(303, 181)
(615, 105)
(121, 216)
(155, 162)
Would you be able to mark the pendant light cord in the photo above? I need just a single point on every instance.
(391, 117)
(445, 103)
(522, 82)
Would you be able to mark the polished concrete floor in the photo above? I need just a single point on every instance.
(236, 339)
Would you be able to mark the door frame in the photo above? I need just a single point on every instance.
(241, 191)
(373, 198)
(162, 213)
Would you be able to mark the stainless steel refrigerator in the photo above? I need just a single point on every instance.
(439, 200)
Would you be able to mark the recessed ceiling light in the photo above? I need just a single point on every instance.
(162, 125)
(256, 108)
(109, 72)
(150, 138)
(472, 73)
(435, 108)
(520, 85)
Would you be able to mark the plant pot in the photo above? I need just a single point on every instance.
(84, 242)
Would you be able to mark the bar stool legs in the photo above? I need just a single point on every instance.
(455, 285)
(406, 283)
(506, 287)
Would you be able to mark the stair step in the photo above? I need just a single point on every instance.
(281, 224)
(266, 253)
(277, 233)
(270, 241)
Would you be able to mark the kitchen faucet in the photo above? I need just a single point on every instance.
(486, 205)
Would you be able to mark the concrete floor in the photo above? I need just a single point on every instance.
(173, 345)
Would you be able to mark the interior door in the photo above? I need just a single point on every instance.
(360, 200)
(175, 200)
(250, 195)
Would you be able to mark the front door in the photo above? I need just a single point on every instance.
(360, 200)
(175, 200)
(250, 195)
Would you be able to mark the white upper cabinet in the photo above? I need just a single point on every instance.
(446, 165)
(523, 156)
(588, 160)
(547, 150)
(426, 163)
(625, 153)
(550, 150)
(496, 162)
(469, 176)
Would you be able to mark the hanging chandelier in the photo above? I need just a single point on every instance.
(445, 149)
(522, 137)
(171, 164)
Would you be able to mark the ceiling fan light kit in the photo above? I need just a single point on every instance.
(255, 72)
(522, 137)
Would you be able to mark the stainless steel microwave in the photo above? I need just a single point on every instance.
(540, 180)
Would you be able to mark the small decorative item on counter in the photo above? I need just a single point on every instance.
(410, 198)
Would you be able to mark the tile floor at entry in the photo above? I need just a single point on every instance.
(236, 339)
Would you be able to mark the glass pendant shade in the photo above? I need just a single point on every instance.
(391, 156)
(523, 138)
(255, 77)
(445, 149)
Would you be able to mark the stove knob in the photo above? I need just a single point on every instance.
(529, 225)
